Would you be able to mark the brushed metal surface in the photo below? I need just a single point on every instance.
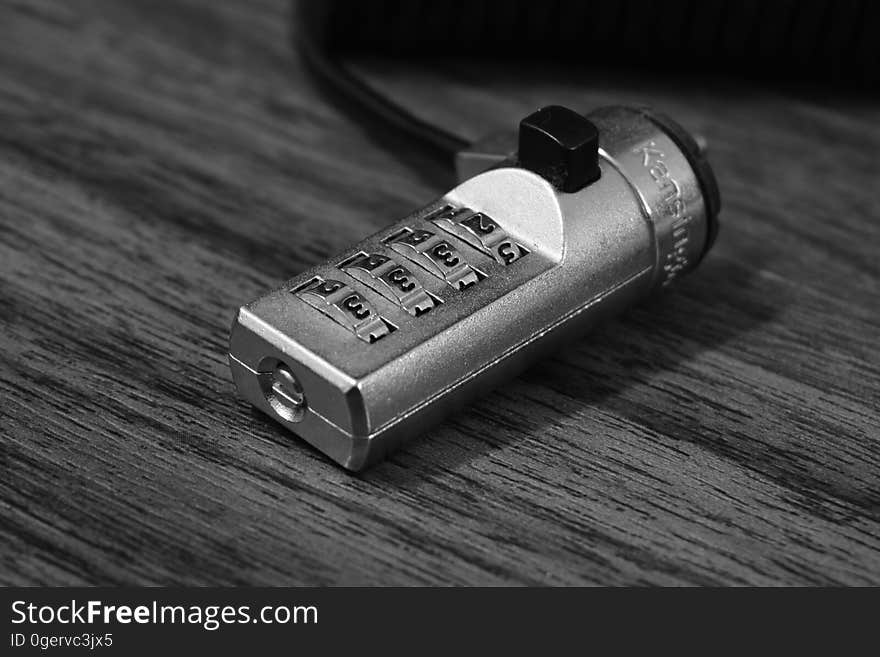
(580, 257)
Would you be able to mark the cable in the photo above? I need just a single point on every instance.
(313, 40)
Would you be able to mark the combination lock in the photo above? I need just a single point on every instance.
(572, 220)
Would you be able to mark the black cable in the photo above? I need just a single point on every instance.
(312, 37)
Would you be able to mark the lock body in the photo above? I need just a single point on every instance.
(382, 341)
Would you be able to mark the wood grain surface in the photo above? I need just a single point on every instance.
(162, 163)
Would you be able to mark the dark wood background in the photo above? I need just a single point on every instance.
(162, 163)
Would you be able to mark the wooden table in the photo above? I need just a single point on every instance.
(162, 163)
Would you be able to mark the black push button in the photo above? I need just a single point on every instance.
(560, 145)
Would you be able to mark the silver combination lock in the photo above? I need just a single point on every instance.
(570, 221)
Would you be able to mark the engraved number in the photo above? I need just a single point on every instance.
(326, 288)
(416, 237)
(372, 261)
(400, 279)
(479, 223)
(508, 252)
(354, 304)
(444, 251)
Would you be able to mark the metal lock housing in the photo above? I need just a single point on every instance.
(574, 221)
